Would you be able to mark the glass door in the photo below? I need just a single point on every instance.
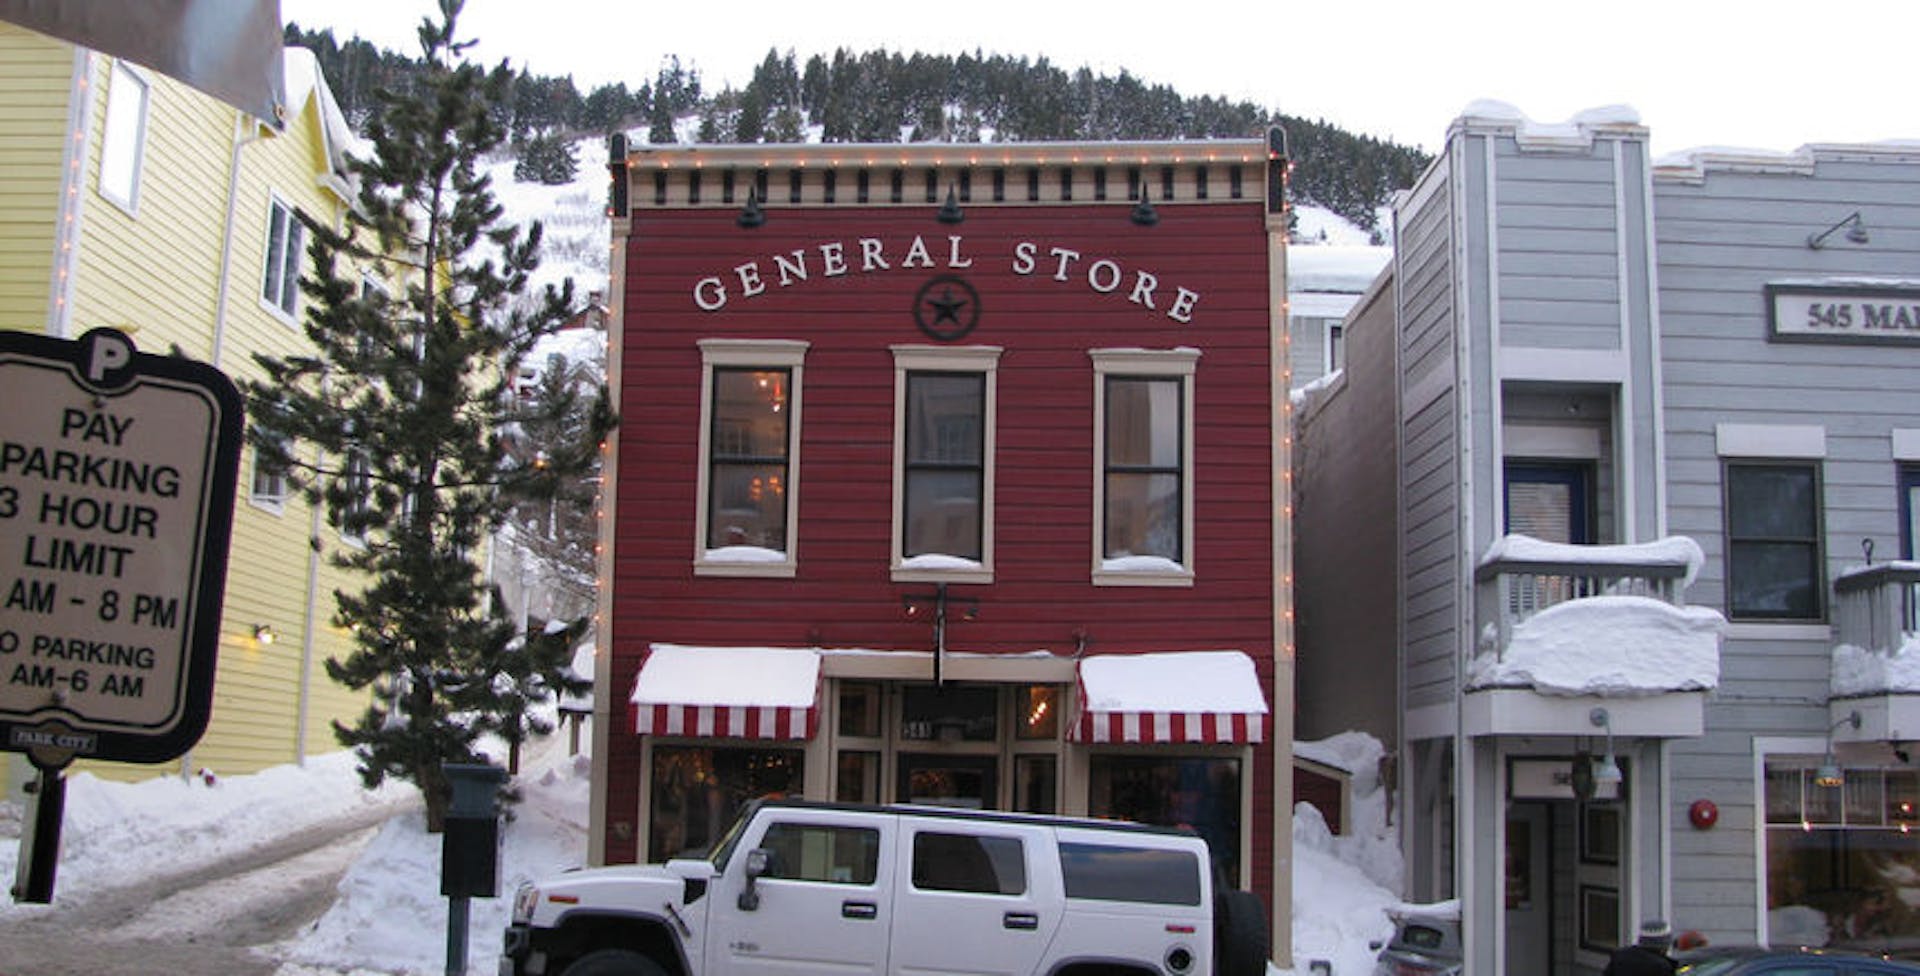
(940, 780)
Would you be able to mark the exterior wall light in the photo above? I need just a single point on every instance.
(1856, 232)
(264, 634)
(1829, 774)
(751, 215)
(1608, 769)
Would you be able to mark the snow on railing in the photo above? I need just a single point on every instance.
(1593, 620)
(1875, 632)
(1519, 576)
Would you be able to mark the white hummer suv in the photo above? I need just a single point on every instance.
(796, 887)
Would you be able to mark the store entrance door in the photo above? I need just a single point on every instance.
(933, 779)
(1529, 891)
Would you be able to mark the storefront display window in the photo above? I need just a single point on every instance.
(859, 778)
(1039, 712)
(1034, 783)
(965, 782)
(953, 713)
(1837, 869)
(1175, 791)
(859, 708)
(697, 791)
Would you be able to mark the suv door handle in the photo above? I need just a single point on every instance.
(1021, 920)
(859, 909)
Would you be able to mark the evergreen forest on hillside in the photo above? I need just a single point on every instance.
(882, 96)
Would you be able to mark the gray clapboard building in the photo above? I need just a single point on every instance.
(1630, 447)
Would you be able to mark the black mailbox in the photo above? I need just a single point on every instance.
(470, 841)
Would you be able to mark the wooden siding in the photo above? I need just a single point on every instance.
(1559, 237)
(156, 273)
(1345, 531)
(842, 594)
(36, 77)
(1719, 243)
(275, 577)
(1429, 458)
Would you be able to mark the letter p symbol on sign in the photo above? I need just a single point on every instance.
(107, 351)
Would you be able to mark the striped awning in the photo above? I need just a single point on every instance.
(1175, 696)
(728, 692)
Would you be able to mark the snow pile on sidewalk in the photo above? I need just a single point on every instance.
(1343, 885)
(390, 916)
(115, 832)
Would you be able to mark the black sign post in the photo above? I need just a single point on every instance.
(117, 476)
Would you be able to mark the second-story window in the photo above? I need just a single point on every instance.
(1143, 485)
(123, 145)
(1773, 540)
(286, 243)
(943, 489)
(357, 478)
(749, 457)
(269, 488)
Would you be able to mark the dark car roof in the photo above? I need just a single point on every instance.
(1746, 959)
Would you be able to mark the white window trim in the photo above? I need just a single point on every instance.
(1179, 363)
(984, 360)
(1327, 345)
(1906, 444)
(788, 354)
(138, 151)
(1801, 441)
(299, 254)
(273, 502)
(1763, 747)
(347, 537)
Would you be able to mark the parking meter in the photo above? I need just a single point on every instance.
(470, 843)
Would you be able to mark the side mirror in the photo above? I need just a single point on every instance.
(756, 866)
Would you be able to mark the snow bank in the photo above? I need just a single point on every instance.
(116, 831)
(390, 915)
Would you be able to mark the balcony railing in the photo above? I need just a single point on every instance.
(1516, 582)
(1874, 608)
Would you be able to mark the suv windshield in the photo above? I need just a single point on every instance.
(723, 848)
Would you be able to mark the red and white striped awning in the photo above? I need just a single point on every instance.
(728, 692)
(1175, 696)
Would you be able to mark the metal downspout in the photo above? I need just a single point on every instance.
(241, 138)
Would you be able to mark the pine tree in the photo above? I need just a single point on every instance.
(544, 157)
(406, 400)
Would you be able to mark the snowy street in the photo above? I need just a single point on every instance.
(298, 871)
(198, 917)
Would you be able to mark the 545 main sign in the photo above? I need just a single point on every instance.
(117, 474)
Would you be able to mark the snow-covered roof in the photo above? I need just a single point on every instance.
(1340, 268)
(1321, 304)
(305, 80)
(1692, 165)
(1573, 133)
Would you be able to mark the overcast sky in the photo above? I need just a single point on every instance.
(1758, 74)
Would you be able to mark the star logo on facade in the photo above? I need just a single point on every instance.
(947, 308)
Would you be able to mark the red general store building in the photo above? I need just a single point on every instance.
(950, 474)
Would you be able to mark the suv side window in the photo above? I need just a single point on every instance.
(819, 852)
(963, 862)
(1130, 874)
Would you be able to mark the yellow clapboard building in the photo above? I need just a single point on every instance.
(131, 201)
